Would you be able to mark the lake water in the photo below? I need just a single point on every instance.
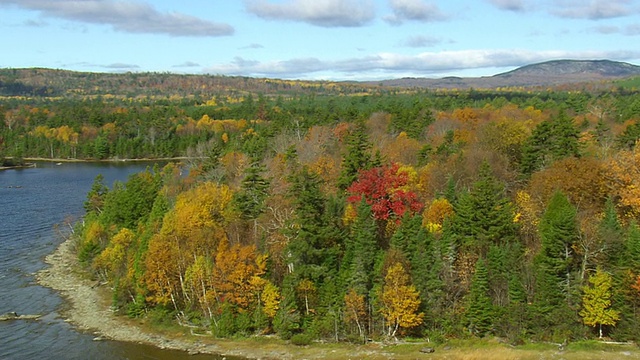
(32, 203)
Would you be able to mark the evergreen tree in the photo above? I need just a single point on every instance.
(555, 264)
(610, 234)
(484, 216)
(426, 269)
(96, 196)
(251, 197)
(286, 321)
(551, 140)
(314, 236)
(627, 140)
(632, 245)
(357, 157)
(306, 244)
(480, 312)
(361, 250)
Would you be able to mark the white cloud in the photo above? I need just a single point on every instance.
(391, 65)
(421, 41)
(605, 29)
(120, 66)
(510, 5)
(324, 13)
(632, 30)
(594, 9)
(413, 10)
(125, 16)
(186, 64)
(253, 46)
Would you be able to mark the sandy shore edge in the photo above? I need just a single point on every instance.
(88, 309)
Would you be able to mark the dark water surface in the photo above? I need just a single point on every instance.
(32, 202)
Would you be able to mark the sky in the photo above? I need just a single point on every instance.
(315, 39)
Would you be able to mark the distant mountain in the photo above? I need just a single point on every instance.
(550, 73)
(577, 68)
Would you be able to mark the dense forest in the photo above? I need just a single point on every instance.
(347, 214)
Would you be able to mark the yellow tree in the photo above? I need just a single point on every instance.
(162, 275)
(355, 310)
(434, 216)
(198, 277)
(624, 177)
(270, 298)
(112, 261)
(237, 274)
(307, 290)
(191, 229)
(400, 300)
(596, 302)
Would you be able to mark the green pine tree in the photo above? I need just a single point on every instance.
(555, 265)
(480, 311)
(250, 199)
(96, 196)
(632, 247)
(357, 157)
(362, 250)
(551, 140)
(484, 216)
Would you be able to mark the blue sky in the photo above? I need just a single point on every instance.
(315, 39)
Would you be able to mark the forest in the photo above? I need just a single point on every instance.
(376, 213)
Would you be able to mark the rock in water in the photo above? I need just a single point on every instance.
(14, 316)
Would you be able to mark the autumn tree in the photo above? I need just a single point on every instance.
(400, 300)
(596, 302)
(270, 298)
(435, 215)
(355, 311)
(385, 189)
(237, 274)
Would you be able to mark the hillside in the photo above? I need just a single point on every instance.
(41, 82)
(54, 83)
(550, 73)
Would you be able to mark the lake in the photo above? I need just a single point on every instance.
(33, 202)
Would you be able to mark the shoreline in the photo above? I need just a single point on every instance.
(110, 160)
(87, 307)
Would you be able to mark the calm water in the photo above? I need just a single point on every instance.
(32, 202)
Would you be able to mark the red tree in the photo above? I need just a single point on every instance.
(385, 190)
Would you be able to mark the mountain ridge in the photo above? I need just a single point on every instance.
(548, 73)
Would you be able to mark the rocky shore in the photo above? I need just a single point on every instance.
(89, 310)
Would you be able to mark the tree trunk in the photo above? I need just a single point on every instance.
(600, 331)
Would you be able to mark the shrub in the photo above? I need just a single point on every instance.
(301, 339)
